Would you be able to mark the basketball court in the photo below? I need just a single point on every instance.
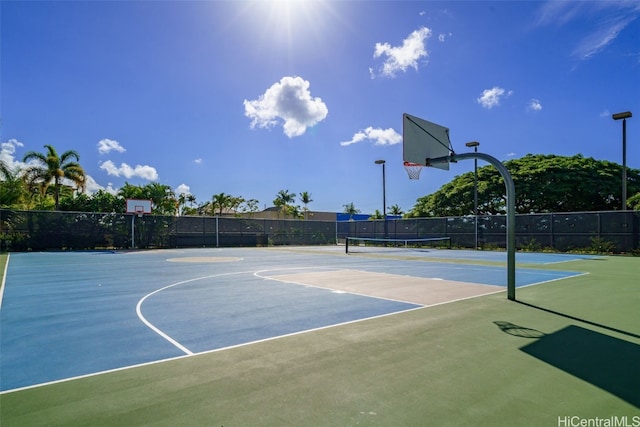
(82, 313)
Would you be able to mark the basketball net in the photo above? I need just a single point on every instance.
(413, 170)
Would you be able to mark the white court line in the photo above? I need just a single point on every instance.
(259, 274)
(570, 260)
(4, 279)
(215, 350)
(555, 279)
(189, 353)
(160, 332)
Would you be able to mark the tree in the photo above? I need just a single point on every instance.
(12, 187)
(350, 209)
(51, 168)
(100, 201)
(543, 183)
(249, 206)
(235, 203)
(163, 199)
(305, 198)
(283, 200)
(130, 191)
(183, 199)
(221, 202)
(293, 211)
(395, 210)
(633, 202)
(377, 215)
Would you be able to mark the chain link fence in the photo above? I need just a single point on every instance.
(610, 232)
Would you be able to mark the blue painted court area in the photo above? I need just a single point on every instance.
(224, 313)
(70, 314)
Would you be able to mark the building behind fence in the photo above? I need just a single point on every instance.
(613, 231)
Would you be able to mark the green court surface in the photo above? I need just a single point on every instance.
(565, 352)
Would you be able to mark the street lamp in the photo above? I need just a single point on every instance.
(624, 116)
(475, 144)
(384, 196)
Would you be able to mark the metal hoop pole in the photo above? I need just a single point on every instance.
(511, 210)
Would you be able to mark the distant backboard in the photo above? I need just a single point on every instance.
(138, 206)
(423, 140)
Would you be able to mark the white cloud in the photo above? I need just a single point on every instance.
(558, 12)
(198, 161)
(491, 97)
(107, 145)
(288, 101)
(605, 113)
(110, 189)
(601, 37)
(7, 152)
(146, 172)
(91, 186)
(534, 105)
(604, 21)
(399, 58)
(183, 189)
(378, 136)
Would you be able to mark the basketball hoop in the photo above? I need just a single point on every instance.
(413, 170)
(139, 212)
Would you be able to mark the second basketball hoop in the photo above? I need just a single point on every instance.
(413, 170)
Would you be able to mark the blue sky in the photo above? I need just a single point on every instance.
(253, 97)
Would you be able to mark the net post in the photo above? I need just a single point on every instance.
(346, 245)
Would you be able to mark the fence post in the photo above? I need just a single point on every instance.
(217, 233)
(553, 235)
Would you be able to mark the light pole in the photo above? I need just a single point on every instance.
(475, 144)
(624, 116)
(384, 196)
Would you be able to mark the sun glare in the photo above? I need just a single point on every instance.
(293, 21)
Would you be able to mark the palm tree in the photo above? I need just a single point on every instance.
(50, 168)
(395, 210)
(350, 209)
(305, 198)
(130, 191)
(163, 198)
(183, 199)
(221, 201)
(377, 215)
(284, 199)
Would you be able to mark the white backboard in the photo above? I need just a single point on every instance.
(138, 206)
(423, 140)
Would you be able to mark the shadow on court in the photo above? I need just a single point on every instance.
(601, 360)
(589, 322)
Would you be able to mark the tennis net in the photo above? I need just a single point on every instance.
(367, 244)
